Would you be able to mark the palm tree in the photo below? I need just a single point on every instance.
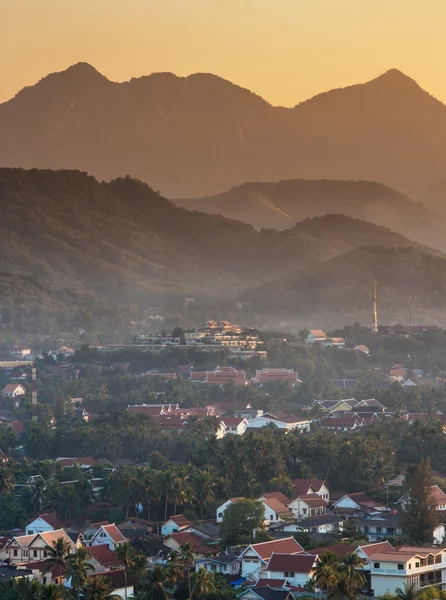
(175, 568)
(6, 481)
(345, 589)
(187, 558)
(204, 484)
(204, 585)
(78, 569)
(350, 567)
(21, 589)
(164, 485)
(157, 580)
(326, 573)
(99, 588)
(53, 591)
(59, 556)
(126, 554)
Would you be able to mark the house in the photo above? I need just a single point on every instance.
(334, 342)
(256, 556)
(34, 547)
(437, 497)
(316, 336)
(108, 535)
(285, 421)
(221, 509)
(118, 580)
(336, 405)
(357, 502)
(312, 486)
(227, 564)
(43, 523)
(295, 568)
(84, 462)
(406, 566)
(275, 510)
(362, 349)
(398, 374)
(266, 593)
(12, 390)
(234, 425)
(88, 533)
(174, 524)
(102, 558)
(267, 375)
(327, 523)
(199, 542)
(341, 424)
(409, 384)
(307, 505)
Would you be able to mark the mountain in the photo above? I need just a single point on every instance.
(283, 203)
(196, 135)
(121, 242)
(340, 290)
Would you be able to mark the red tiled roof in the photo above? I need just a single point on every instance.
(80, 460)
(277, 506)
(116, 578)
(299, 563)
(181, 520)
(42, 566)
(286, 546)
(104, 555)
(278, 496)
(232, 421)
(114, 533)
(49, 518)
(362, 499)
(197, 542)
(313, 500)
(99, 524)
(341, 550)
(17, 426)
(371, 549)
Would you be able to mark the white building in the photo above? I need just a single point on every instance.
(316, 335)
(256, 556)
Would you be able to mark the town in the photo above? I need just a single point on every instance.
(226, 462)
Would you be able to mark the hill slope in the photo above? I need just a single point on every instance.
(201, 134)
(283, 203)
(340, 290)
(125, 243)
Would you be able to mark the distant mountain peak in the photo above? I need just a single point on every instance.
(394, 77)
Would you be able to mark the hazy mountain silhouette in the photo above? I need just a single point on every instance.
(283, 203)
(339, 290)
(123, 242)
(201, 134)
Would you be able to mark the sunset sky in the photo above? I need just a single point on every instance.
(284, 50)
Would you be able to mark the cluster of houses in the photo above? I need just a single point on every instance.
(317, 336)
(222, 375)
(172, 417)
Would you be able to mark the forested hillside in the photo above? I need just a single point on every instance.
(340, 290)
(281, 204)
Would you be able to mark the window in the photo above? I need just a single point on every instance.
(378, 529)
(44, 580)
(417, 565)
(220, 515)
(376, 565)
(30, 531)
(304, 511)
(366, 528)
(400, 567)
(25, 553)
(271, 517)
(35, 553)
(15, 552)
(45, 554)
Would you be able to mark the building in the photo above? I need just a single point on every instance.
(12, 390)
(327, 523)
(43, 523)
(307, 505)
(198, 540)
(267, 375)
(34, 547)
(234, 425)
(407, 566)
(122, 584)
(341, 424)
(108, 535)
(221, 509)
(297, 569)
(281, 421)
(357, 502)
(312, 486)
(226, 564)
(316, 336)
(335, 342)
(256, 557)
(275, 510)
(174, 524)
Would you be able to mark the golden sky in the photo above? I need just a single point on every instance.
(284, 50)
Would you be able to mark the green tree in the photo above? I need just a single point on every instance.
(326, 572)
(419, 516)
(59, 557)
(126, 554)
(175, 567)
(78, 569)
(204, 585)
(156, 584)
(54, 591)
(240, 519)
(187, 558)
(99, 588)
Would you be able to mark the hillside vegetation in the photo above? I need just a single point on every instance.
(283, 203)
(340, 290)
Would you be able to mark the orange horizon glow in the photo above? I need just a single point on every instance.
(284, 50)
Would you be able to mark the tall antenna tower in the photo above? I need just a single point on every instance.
(375, 311)
(34, 393)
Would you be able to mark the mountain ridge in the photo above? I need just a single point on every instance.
(200, 134)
